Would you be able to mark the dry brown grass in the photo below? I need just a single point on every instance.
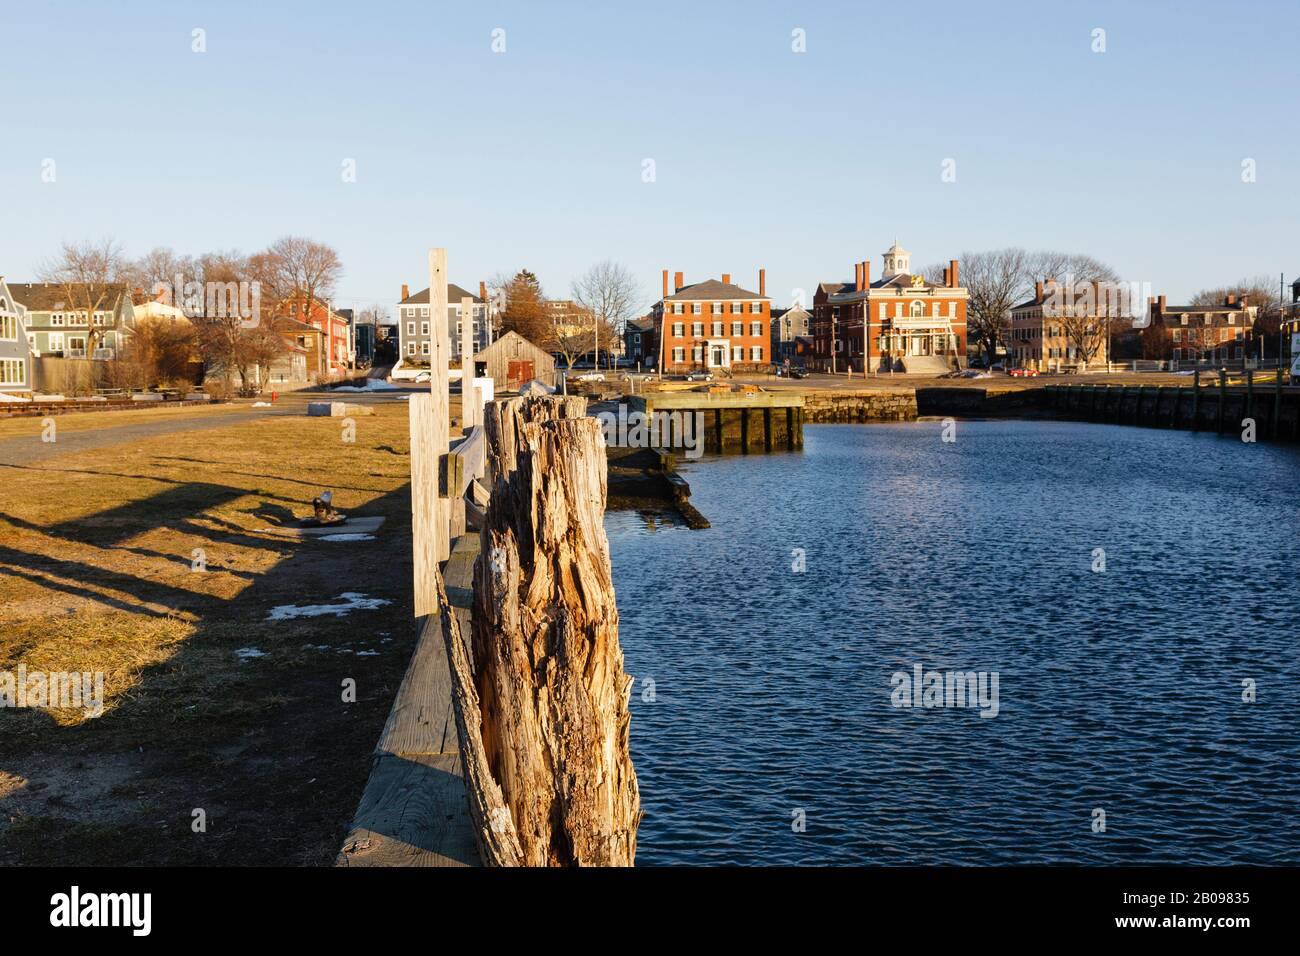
(97, 554)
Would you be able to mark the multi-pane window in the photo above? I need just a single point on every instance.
(697, 353)
(696, 308)
(679, 329)
(424, 348)
(424, 328)
(679, 354)
(738, 353)
(716, 329)
(678, 308)
(756, 353)
(12, 371)
(410, 328)
(756, 308)
(8, 327)
(737, 328)
(756, 328)
(57, 319)
(717, 308)
(736, 308)
(697, 329)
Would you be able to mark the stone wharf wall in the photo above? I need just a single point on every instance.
(1276, 412)
(823, 406)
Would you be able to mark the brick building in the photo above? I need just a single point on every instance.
(713, 325)
(332, 355)
(1189, 335)
(1047, 331)
(900, 322)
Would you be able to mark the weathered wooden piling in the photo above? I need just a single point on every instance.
(543, 713)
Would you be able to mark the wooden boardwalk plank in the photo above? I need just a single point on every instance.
(414, 811)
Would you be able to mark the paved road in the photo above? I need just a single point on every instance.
(29, 449)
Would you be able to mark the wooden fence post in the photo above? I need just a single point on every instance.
(439, 353)
(469, 401)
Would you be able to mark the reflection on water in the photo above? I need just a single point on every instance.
(1119, 690)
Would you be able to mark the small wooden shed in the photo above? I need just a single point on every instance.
(512, 360)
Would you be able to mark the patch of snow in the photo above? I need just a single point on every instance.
(372, 385)
(351, 602)
(249, 653)
(261, 404)
(6, 397)
(348, 536)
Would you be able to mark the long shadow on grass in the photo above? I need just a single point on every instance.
(270, 748)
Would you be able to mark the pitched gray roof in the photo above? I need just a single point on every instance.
(712, 289)
(454, 294)
(52, 296)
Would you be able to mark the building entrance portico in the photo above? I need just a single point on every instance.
(718, 353)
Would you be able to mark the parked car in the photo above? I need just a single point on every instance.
(590, 377)
(1023, 372)
(798, 371)
(699, 376)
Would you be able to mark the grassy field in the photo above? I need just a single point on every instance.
(155, 562)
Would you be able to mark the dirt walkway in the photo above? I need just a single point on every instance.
(29, 449)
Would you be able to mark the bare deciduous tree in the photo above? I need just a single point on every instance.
(610, 293)
(998, 279)
(91, 275)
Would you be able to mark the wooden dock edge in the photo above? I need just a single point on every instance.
(414, 811)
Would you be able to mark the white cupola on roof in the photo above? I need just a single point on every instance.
(897, 261)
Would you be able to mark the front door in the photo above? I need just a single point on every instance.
(518, 372)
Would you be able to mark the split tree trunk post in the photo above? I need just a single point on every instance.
(543, 714)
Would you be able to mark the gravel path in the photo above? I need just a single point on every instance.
(29, 449)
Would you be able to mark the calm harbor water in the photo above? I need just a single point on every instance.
(1119, 690)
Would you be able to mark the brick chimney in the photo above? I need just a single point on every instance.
(482, 290)
(726, 278)
(866, 274)
(1161, 303)
(762, 282)
(406, 292)
(857, 277)
(1232, 298)
(952, 274)
(677, 282)
(1038, 291)
(665, 295)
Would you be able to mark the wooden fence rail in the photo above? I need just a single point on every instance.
(513, 598)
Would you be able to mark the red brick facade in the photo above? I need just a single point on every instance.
(713, 325)
(910, 322)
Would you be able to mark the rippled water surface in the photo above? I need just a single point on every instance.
(1119, 690)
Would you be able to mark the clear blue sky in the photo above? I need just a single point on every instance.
(801, 163)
